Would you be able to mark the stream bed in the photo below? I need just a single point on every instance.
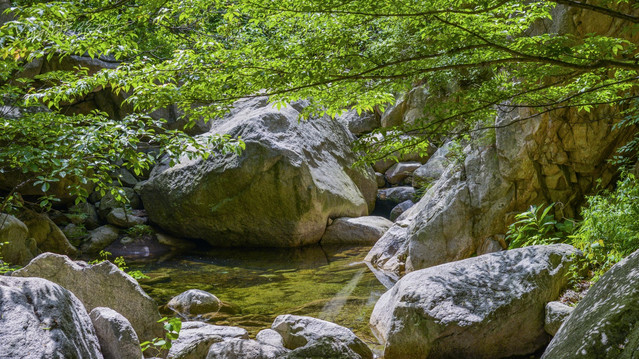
(330, 283)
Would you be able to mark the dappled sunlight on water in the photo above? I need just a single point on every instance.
(327, 283)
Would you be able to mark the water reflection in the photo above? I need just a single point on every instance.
(329, 283)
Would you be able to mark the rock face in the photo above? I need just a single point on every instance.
(197, 337)
(195, 302)
(604, 323)
(17, 248)
(116, 335)
(100, 285)
(491, 306)
(361, 230)
(555, 157)
(40, 319)
(556, 315)
(280, 192)
(298, 331)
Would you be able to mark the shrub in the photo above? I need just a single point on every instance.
(538, 226)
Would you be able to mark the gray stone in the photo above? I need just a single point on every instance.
(604, 323)
(491, 306)
(399, 171)
(400, 209)
(359, 124)
(100, 285)
(74, 233)
(17, 248)
(295, 174)
(196, 338)
(125, 177)
(109, 201)
(556, 315)
(100, 238)
(194, 302)
(360, 230)
(298, 331)
(245, 349)
(116, 335)
(46, 233)
(381, 180)
(41, 319)
(396, 194)
(119, 217)
(271, 337)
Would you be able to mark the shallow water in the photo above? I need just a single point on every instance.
(327, 283)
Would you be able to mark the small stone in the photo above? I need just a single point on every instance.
(194, 302)
(400, 208)
(119, 217)
(196, 338)
(396, 173)
(360, 230)
(396, 194)
(556, 315)
(100, 238)
(381, 180)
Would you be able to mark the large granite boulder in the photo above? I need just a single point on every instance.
(605, 323)
(298, 331)
(491, 306)
(17, 247)
(116, 335)
(47, 234)
(280, 192)
(40, 319)
(100, 285)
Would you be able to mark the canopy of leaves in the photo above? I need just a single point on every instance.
(475, 56)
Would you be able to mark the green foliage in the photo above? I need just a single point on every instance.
(538, 226)
(157, 346)
(610, 228)
(139, 230)
(120, 263)
(5, 267)
(204, 55)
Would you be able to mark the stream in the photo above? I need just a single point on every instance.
(330, 283)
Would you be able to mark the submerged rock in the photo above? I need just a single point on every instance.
(40, 319)
(195, 302)
(100, 285)
(116, 335)
(361, 230)
(280, 192)
(298, 331)
(491, 306)
(605, 323)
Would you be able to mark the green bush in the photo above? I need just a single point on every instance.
(538, 226)
(610, 228)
